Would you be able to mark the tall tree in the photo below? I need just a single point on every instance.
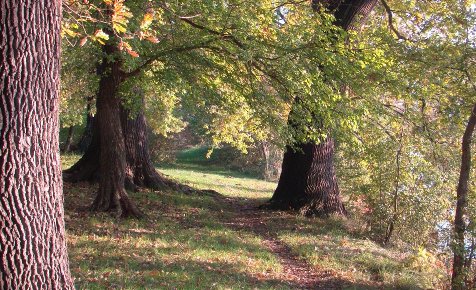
(308, 181)
(32, 238)
(458, 276)
(112, 155)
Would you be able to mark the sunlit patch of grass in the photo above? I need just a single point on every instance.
(68, 160)
(177, 258)
(226, 182)
(182, 243)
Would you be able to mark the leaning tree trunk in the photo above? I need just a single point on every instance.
(140, 171)
(32, 236)
(308, 181)
(112, 195)
(458, 276)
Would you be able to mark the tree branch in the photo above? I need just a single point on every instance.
(214, 32)
(390, 20)
(151, 59)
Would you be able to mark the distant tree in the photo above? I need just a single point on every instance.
(32, 234)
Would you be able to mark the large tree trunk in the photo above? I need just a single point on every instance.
(112, 195)
(458, 277)
(308, 181)
(32, 235)
(140, 171)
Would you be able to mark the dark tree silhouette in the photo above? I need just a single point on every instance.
(458, 276)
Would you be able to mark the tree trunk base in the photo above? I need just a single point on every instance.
(86, 168)
(308, 182)
(120, 204)
(147, 177)
(319, 209)
(83, 170)
(314, 208)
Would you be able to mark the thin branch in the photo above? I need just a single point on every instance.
(390, 20)
(214, 32)
(151, 59)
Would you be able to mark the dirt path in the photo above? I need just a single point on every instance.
(297, 272)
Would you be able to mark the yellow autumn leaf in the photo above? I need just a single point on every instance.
(101, 34)
(147, 20)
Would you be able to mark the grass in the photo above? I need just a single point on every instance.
(181, 244)
(185, 241)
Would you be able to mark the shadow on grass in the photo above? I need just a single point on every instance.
(111, 265)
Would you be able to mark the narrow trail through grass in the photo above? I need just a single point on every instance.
(222, 242)
(296, 271)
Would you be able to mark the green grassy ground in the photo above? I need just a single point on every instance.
(186, 241)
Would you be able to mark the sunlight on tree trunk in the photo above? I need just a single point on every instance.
(140, 171)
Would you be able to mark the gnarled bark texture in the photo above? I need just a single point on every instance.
(33, 251)
(458, 276)
(140, 171)
(308, 181)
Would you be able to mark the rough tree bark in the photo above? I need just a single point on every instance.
(140, 171)
(112, 195)
(33, 251)
(308, 182)
(458, 276)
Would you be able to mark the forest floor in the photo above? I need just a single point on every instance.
(223, 241)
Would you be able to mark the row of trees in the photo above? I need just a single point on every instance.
(292, 69)
(156, 45)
